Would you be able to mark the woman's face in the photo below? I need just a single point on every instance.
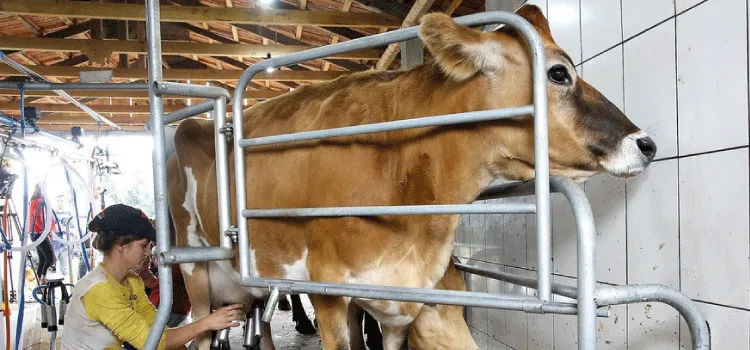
(134, 253)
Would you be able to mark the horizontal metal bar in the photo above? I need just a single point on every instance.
(186, 255)
(74, 86)
(529, 282)
(429, 296)
(189, 111)
(448, 119)
(501, 208)
(639, 293)
(163, 88)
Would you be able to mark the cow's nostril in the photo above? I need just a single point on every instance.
(647, 147)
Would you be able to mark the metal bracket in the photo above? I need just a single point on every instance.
(232, 232)
(227, 130)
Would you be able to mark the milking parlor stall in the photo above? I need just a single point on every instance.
(375, 174)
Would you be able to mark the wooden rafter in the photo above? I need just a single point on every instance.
(419, 8)
(105, 48)
(127, 94)
(135, 12)
(180, 74)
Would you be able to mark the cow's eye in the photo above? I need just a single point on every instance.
(559, 75)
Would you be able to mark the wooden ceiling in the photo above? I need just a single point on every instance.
(203, 42)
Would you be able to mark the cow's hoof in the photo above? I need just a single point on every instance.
(305, 327)
(284, 304)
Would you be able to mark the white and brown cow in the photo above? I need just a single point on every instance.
(471, 71)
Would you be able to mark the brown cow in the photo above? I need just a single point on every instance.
(472, 71)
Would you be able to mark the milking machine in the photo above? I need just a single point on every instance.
(49, 313)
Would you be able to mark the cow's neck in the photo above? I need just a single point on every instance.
(471, 156)
(454, 167)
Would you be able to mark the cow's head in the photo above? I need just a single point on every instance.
(587, 133)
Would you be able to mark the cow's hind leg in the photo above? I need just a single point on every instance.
(356, 335)
(301, 323)
(372, 330)
(331, 313)
(284, 304)
(197, 285)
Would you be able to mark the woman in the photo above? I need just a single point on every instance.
(44, 250)
(109, 304)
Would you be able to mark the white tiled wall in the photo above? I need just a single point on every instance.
(685, 221)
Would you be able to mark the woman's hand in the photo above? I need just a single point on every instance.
(228, 316)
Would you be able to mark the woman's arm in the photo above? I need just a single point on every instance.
(225, 317)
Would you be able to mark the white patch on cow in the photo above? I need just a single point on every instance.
(628, 160)
(487, 55)
(226, 285)
(187, 268)
(190, 205)
(298, 269)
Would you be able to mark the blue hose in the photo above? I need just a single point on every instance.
(84, 254)
(34, 294)
(6, 244)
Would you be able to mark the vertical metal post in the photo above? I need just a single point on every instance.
(22, 266)
(586, 260)
(541, 156)
(156, 104)
(246, 256)
(222, 169)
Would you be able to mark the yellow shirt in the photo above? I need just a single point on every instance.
(124, 310)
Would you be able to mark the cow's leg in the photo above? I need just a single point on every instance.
(331, 312)
(284, 304)
(356, 336)
(266, 339)
(393, 337)
(197, 285)
(301, 323)
(372, 330)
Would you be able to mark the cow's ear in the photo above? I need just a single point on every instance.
(460, 52)
(535, 16)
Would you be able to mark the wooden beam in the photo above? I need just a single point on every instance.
(453, 6)
(179, 74)
(107, 47)
(88, 127)
(418, 10)
(135, 12)
(26, 23)
(69, 108)
(127, 94)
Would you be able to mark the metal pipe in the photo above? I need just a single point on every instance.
(639, 293)
(156, 104)
(185, 112)
(528, 282)
(30, 73)
(448, 297)
(191, 90)
(194, 254)
(448, 119)
(37, 86)
(273, 299)
(222, 171)
(506, 208)
(10, 122)
(586, 259)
